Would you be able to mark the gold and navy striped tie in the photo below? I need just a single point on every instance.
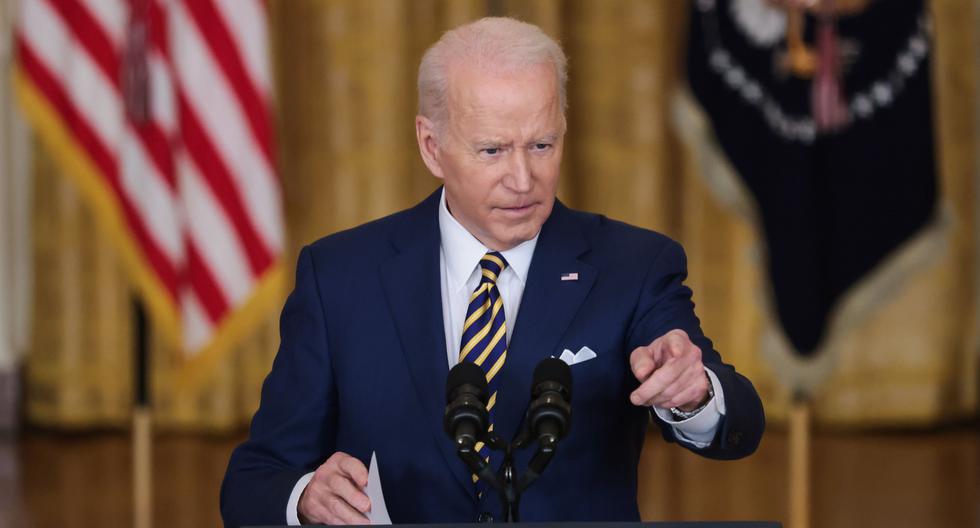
(484, 339)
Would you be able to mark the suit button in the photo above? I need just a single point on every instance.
(485, 517)
(734, 437)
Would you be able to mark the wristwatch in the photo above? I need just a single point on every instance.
(679, 414)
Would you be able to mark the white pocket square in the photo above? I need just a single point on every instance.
(584, 354)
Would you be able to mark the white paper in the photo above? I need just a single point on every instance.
(584, 354)
(379, 512)
(567, 356)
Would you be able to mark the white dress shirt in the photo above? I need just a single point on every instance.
(459, 265)
(459, 270)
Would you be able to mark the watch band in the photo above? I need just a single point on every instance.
(684, 415)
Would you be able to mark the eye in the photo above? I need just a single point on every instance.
(491, 151)
(541, 146)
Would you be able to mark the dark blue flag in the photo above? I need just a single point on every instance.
(831, 135)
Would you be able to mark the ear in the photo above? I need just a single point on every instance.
(425, 133)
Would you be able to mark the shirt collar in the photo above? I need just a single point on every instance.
(463, 251)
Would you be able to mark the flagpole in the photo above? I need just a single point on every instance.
(799, 462)
(142, 426)
(136, 97)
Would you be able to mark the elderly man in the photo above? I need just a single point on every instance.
(492, 269)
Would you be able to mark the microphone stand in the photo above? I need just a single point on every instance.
(509, 487)
(540, 460)
(546, 421)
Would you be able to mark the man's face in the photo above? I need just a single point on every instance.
(499, 151)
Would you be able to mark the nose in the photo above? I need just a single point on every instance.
(519, 173)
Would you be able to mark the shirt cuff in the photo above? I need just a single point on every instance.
(292, 507)
(699, 430)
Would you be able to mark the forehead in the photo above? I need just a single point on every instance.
(524, 98)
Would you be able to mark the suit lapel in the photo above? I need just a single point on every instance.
(411, 281)
(547, 308)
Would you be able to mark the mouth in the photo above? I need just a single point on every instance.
(519, 210)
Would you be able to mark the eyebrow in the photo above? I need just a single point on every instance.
(497, 142)
(485, 143)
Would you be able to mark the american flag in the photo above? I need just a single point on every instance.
(161, 112)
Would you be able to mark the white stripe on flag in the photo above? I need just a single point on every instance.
(163, 105)
(246, 21)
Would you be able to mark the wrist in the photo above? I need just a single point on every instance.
(689, 411)
(300, 514)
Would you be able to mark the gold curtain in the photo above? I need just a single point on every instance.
(345, 73)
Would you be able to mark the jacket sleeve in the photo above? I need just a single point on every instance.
(294, 429)
(665, 304)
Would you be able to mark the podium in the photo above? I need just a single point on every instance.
(660, 524)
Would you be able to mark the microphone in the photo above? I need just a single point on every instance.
(550, 413)
(466, 419)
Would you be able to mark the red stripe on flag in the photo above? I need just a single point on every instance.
(214, 171)
(158, 27)
(90, 34)
(205, 286)
(222, 45)
(100, 156)
(158, 146)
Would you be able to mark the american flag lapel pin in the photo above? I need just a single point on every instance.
(569, 277)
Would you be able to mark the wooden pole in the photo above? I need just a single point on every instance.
(142, 427)
(799, 463)
(142, 467)
(136, 98)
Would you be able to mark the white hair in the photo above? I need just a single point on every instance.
(497, 43)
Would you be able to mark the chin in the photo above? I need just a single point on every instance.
(516, 239)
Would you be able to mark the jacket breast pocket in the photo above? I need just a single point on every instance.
(601, 383)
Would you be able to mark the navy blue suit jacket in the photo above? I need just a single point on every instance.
(362, 366)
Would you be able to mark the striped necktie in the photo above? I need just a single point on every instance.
(484, 339)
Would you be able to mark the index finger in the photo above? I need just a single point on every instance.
(661, 378)
(354, 468)
(642, 362)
